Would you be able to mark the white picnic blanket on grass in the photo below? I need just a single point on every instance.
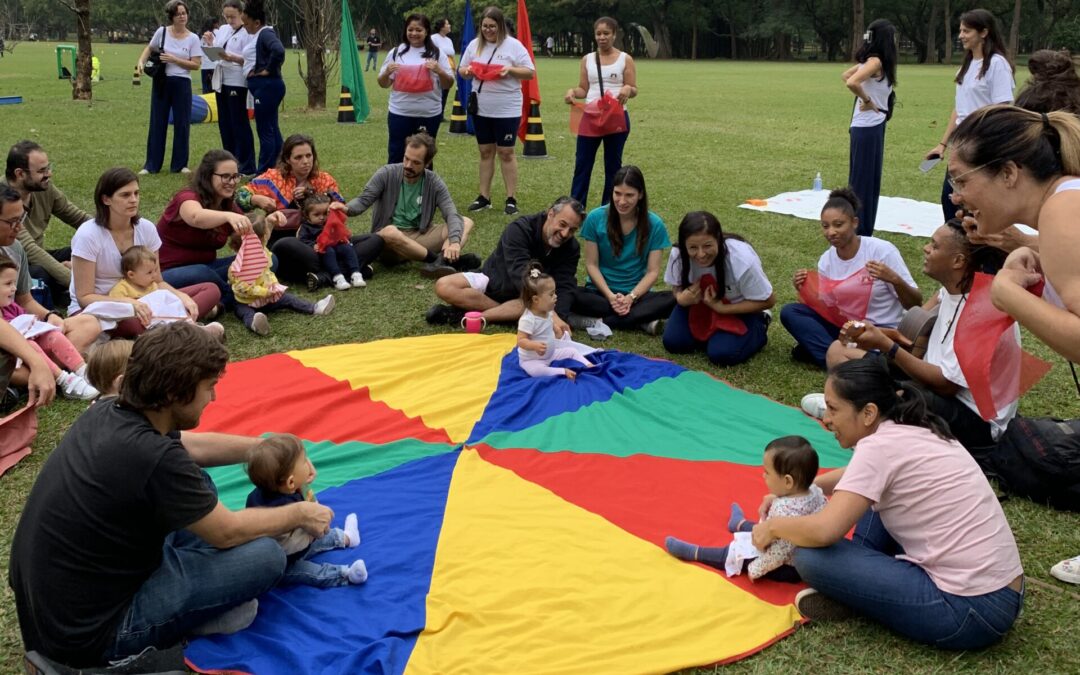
(895, 214)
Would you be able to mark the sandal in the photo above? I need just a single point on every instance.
(1067, 570)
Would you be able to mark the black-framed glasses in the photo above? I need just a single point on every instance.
(228, 177)
(15, 222)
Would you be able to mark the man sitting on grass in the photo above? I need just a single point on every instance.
(546, 237)
(123, 544)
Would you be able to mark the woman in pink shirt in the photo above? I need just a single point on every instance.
(932, 557)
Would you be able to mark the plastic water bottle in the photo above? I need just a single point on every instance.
(817, 182)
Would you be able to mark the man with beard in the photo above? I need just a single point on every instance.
(405, 196)
(30, 174)
(546, 237)
(123, 544)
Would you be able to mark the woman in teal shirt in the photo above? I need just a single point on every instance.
(624, 243)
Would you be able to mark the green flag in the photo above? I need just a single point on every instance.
(352, 78)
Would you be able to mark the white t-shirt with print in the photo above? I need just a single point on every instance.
(884, 308)
(185, 48)
(234, 41)
(407, 104)
(500, 97)
(744, 278)
(94, 243)
(976, 92)
(539, 328)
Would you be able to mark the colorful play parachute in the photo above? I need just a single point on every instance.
(509, 524)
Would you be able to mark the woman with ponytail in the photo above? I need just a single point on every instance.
(932, 557)
(1011, 165)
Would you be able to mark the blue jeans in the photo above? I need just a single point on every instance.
(268, 93)
(400, 127)
(722, 348)
(344, 254)
(194, 584)
(372, 60)
(320, 575)
(809, 329)
(864, 575)
(216, 272)
(866, 158)
(169, 93)
(236, 136)
(586, 157)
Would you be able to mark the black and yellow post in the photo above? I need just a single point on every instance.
(458, 120)
(345, 112)
(534, 134)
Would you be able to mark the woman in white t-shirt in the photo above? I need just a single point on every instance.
(617, 74)
(181, 54)
(498, 103)
(98, 244)
(872, 80)
(892, 289)
(985, 78)
(730, 324)
(417, 70)
(932, 557)
(231, 95)
(442, 40)
(1011, 165)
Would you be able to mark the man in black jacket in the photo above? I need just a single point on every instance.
(546, 237)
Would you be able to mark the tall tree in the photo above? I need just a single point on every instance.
(1014, 31)
(319, 30)
(948, 31)
(931, 33)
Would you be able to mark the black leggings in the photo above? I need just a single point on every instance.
(296, 259)
(653, 305)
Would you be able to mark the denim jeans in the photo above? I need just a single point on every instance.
(246, 313)
(585, 157)
(321, 575)
(214, 272)
(864, 575)
(809, 329)
(195, 583)
(722, 348)
(338, 256)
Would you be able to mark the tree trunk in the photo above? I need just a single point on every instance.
(931, 35)
(948, 32)
(1014, 32)
(315, 79)
(734, 41)
(81, 89)
(663, 39)
(858, 19)
(693, 42)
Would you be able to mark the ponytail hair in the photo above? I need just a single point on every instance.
(1046, 144)
(844, 200)
(1053, 85)
(865, 381)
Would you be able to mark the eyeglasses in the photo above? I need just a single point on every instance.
(45, 170)
(228, 177)
(956, 184)
(14, 222)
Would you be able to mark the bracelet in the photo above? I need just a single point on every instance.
(891, 354)
(56, 314)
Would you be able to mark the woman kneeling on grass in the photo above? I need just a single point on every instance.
(932, 557)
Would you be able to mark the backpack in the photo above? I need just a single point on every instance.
(1039, 459)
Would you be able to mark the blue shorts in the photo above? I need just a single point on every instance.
(502, 131)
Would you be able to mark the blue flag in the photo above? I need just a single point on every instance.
(464, 87)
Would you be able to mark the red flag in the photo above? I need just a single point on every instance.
(838, 300)
(704, 321)
(530, 89)
(997, 371)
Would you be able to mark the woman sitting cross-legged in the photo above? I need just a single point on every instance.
(729, 322)
(932, 557)
(624, 241)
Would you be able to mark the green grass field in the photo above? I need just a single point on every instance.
(707, 136)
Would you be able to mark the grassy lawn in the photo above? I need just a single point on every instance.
(707, 136)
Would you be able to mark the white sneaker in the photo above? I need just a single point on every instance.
(325, 306)
(144, 172)
(74, 387)
(358, 280)
(260, 324)
(1067, 570)
(185, 171)
(814, 405)
(582, 322)
(341, 283)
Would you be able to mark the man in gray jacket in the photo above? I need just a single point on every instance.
(404, 197)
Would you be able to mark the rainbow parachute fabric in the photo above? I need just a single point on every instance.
(509, 524)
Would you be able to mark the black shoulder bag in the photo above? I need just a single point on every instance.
(473, 105)
(153, 66)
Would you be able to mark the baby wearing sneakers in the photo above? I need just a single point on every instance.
(281, 472)
(329, 236)
(790, 464)
(64, 360)
(256, 286)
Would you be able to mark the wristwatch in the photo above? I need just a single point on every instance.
(891, 354)
(633, 296)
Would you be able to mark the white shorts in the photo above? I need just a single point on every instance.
(477, 280)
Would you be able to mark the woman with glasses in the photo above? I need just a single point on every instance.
(197, 223)
(985, 78)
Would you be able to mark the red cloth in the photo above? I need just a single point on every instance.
(334, 231)
(530, 89)
(997, 370)
(603, 116)
(17, 432)
(704, 321)
(182, 244)
(415, 79)
(838, 300)
(485, 71)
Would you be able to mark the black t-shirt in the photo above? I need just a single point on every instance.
(373, 43)
(92, 529)
(522, 242)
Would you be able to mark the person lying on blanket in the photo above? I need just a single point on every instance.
(281, 472)
(790, 464)
(123, 544)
